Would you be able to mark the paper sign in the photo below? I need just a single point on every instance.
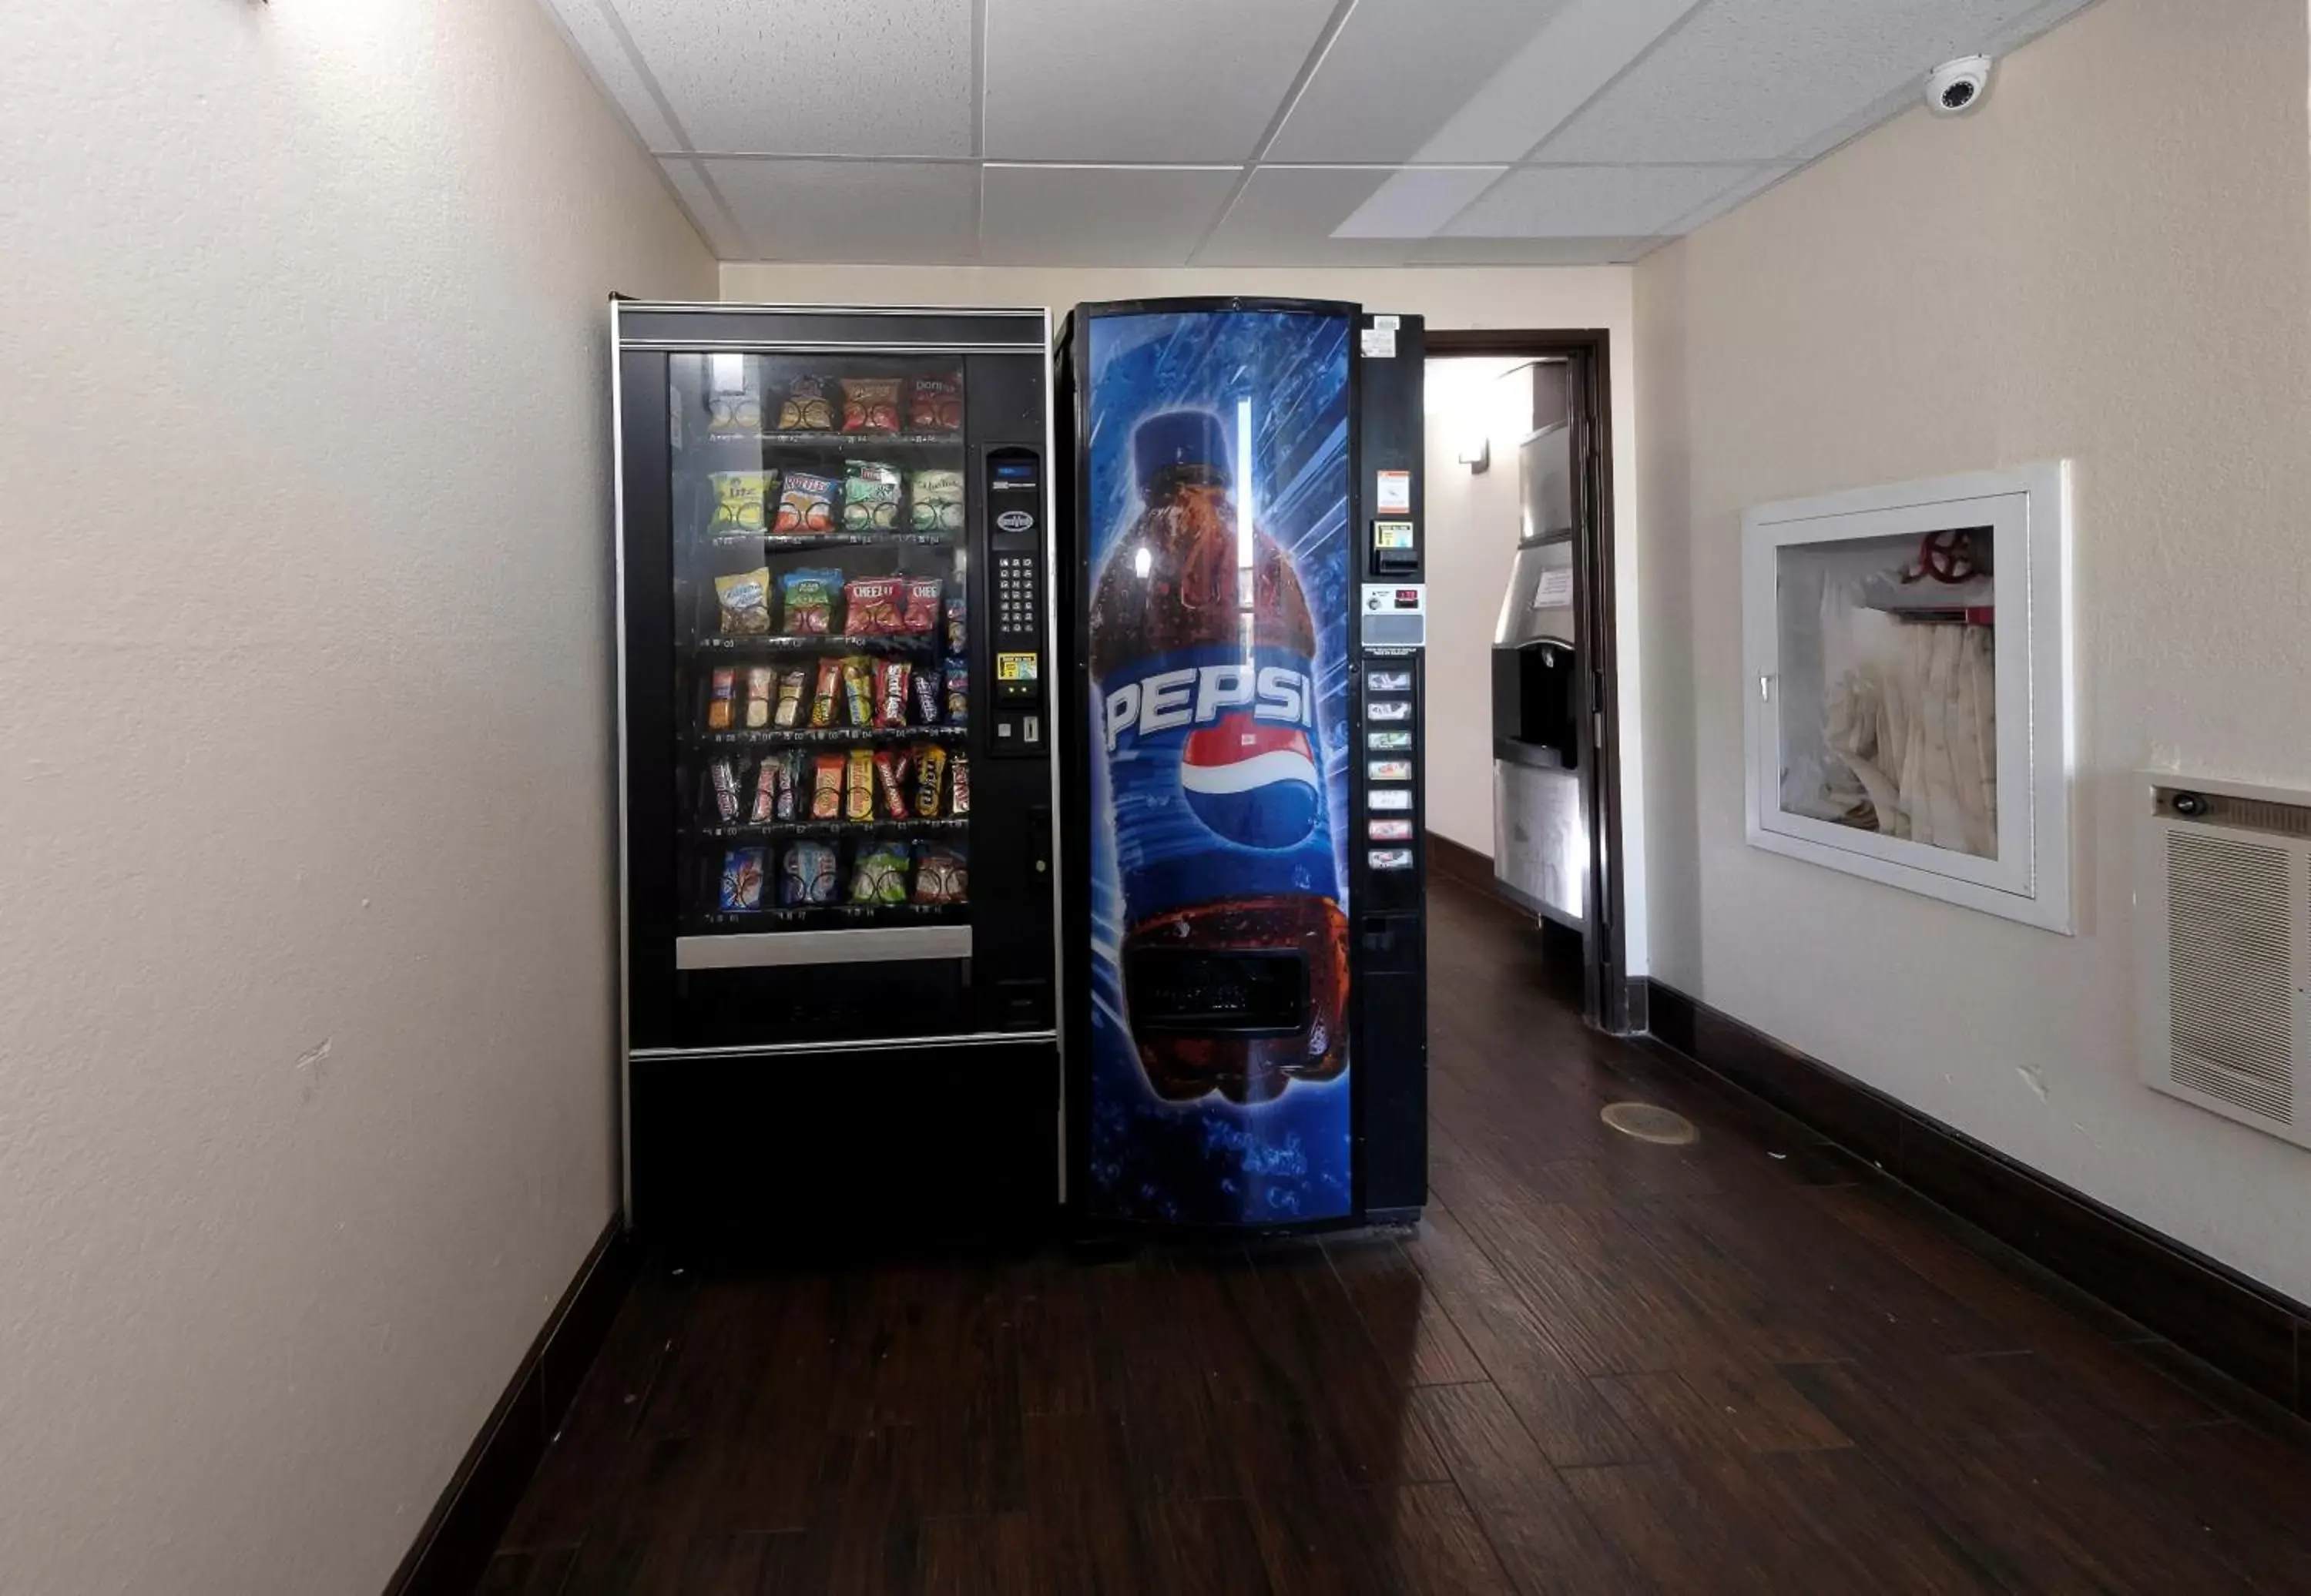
(1391, 534)
(1396, 492)
(1379, 343)
(1554, 589)
(1014, 667)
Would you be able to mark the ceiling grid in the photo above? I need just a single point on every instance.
(1292, 133)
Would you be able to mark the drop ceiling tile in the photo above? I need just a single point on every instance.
(1564, 202)
(1413, 204)
(706, 209)
(589, 31)
(1578, 51)
(1287, 215)
(1099, 215)
(854, 211)
(1548, 252)
(1191, 81)
(1763, 80)
(807, 78)
(1393, 77)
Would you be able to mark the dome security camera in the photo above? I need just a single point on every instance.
(1956, 87)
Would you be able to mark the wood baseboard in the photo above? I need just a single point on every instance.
(2258, 1337)
(463, 1531)
(1460, 862)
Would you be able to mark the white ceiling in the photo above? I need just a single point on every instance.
(1252, 132)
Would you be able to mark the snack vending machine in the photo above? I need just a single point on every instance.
(1246, 1037)
(837, 826)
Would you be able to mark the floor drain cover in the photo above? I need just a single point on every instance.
(1647, 1122)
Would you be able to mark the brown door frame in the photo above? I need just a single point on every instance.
(1609, 999)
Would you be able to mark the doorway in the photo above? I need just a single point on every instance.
(1523, 770)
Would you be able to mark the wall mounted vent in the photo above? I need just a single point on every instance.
(2223, 896)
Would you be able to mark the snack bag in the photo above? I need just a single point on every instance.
(807, 408)
(936, 403)
(859, 689)
(745, 598)
(766, 792)
(870, 496)
(931, 776)
(742, 880)
(880, 873)
(807, 503)
(935, 501)
(742, 502)
(791, 685)
(808, 877)
(758, 695)
(891, 783)
(722, 776)
(735, 412)
(718, 707)
(871, 605)
(958, 692)
(958, 621)
(918, 605)
(891, 692)
(870, 404)
(788, 798)
(927, 695)
(807, 596)
(826, 787)
(942, 876)
(958, 797)
(823, 697)
(858, 786)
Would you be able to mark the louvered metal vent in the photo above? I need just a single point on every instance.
(2225, 892)
(2230, 971)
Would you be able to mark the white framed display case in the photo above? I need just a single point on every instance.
(1908, 687)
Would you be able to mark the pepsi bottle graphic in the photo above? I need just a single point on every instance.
(1204, 703)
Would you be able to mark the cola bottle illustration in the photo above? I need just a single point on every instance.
(1204, 703)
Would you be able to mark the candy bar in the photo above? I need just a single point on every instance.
(958, 629)
(825, 696)
(745, 598)
(790, 789)
(718, 706)
(826, 787)
(758, 694)
(927, 688)
(891, 692)
(792, 684)
(766, 792)
(859, 689)
(722, 776)
(959, 784)
(958, 692)
(858, 786)
(891, 783)
(931, 777)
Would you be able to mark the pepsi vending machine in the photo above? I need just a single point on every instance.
(1245, 1027)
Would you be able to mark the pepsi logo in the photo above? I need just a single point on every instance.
(1253, 782)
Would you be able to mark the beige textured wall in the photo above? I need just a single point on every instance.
(2111, 262)
(308, 1027)
(1449, 297)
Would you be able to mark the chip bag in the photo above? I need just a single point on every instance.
(879, 875)
(935, 501)
(742, 880)
(870, 496)
(742, 502)
(807, 408)
(871, 605)
(870, 404)
(935, 404)
(745, 598)
(805, 504)
(808, 597)
(942, 876)
(808, 877)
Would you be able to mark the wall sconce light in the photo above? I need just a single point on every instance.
(1476, 454)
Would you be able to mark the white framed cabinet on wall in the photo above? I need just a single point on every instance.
(1908, 685)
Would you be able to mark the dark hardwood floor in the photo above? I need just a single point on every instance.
(1746, 1364)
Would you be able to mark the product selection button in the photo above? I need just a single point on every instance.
(1389, 859)
(1388, 830)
